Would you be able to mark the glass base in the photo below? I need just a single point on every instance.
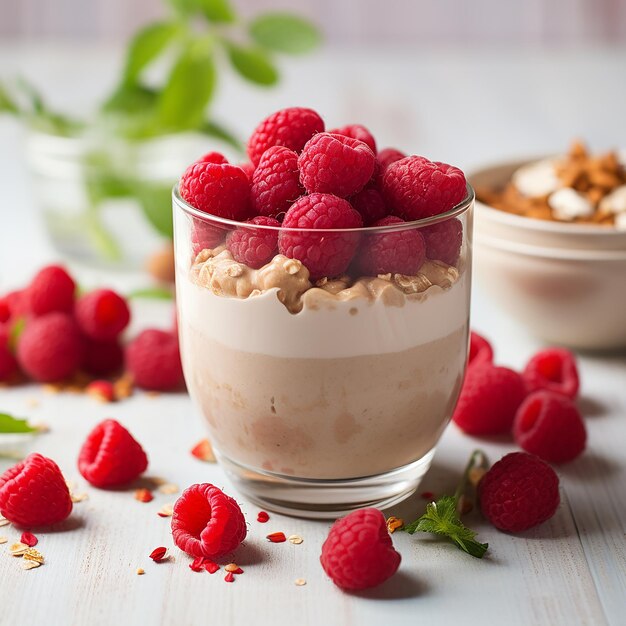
(321, 498)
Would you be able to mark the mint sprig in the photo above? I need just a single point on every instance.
(13, 425)
(441, 519)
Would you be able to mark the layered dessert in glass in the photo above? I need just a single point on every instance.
(323, 302)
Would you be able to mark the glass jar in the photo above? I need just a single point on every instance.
(325, 394)
(106, 201)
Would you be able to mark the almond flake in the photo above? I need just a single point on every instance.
(140, 571)
(295, 539)
(79, 497)
(166, 510)
(168, 489)
(33, 555)
(30, 564)
(4, 522)
(3, 540)
(300, 582)
(18, 549)
(231, 567)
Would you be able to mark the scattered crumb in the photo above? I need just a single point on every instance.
(79, 497)
(4, 540)
(140, 571)
(143, 495)
(18, 549)
(393, 523)
(32, 403)
(300, 582)
(30, 564)
(168, 488)
(295, 539)
(167, 510)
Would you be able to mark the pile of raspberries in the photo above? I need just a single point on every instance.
(49, 333)
(301, 176)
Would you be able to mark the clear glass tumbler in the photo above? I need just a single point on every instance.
(323, 395)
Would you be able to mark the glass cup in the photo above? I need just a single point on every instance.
(323, 395)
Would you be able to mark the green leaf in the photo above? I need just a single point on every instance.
(218, 11)
(7, 103)
(146, 46)
(284, 32)
(14, 334)
(213, 129)
(156, 204)
(10, 424)
(441, 519)
(189, 89)
(253, 64)
(155, 293)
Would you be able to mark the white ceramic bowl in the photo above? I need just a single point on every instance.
(566, 282)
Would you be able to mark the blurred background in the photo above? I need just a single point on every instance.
(467, 83)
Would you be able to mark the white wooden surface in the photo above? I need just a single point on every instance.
(464, 108)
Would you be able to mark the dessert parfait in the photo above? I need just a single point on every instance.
(323, 295)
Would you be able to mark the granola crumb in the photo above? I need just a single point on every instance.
(295, 539)
(140, 571)
(393, 523)
(299, 582)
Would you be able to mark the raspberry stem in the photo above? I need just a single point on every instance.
(477, 465)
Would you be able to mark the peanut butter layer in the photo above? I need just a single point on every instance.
(218, 271)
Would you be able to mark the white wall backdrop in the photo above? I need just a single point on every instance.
(545, 22)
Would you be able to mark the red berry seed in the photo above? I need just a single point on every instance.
(143, 495)
(262, 517)
(210, 566)
(278, 537)
(158, 554)
(229, 578)
(29, 539)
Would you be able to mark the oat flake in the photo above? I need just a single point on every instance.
(300, 582)
(18, 549)
(295, 539)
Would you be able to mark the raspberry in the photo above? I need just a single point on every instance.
(213, 157)
(356, 131)
(50, 348)
(358, 552)
(480, 350)
(443, 241)
(207, 523)
(153, 358)
(370, 203)
(205, 236)
(553, 369)
(324, 254)
(388, 156)
(248, 169)
(335, 164)
(52, 289)
(34, 493)
(400, 252)
(254, 246)
(16, 302)
(291, 128)
(276, 182)
(8, 364)
(415, 187)
(488, 401)
(217, 189)
(549, 425)
(5, 311)
(111, 456)
(103, 358)
(520, 491)
(102, 314)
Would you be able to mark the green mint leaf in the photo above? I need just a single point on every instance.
(156, 204)
(218, 11)
(189, 89)
(153, 293)
(441, 519)
(7, 103)
(213, 129)
(253, 64)
(10, 424)
(14, 334)
(284, 32)
(146, 46)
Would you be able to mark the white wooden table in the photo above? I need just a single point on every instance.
(572, 570)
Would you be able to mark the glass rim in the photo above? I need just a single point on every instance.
(455, 211)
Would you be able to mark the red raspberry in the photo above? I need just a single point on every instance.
(102, 314)
(205, 235)
(520, 491)
(291, 128)
(443, 241)
(276, 182)
(358, 552)
(217, 189)
(34, 493)
(335, 164)
(415, 187)
(480, 350)
(16, 302)
(254, 246)
(111, 456)
(248, 169)
(207, 523)
(356, 131)
(370, 203)
(488, 401)
(50, 348)
(213, 157)
(103, 358)
(388, 156)
(549, 425)
(324, 254)
(553, 369)
(52, 289)
(5, 311)
(153, 358)
(8, 364)
(400, 252)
